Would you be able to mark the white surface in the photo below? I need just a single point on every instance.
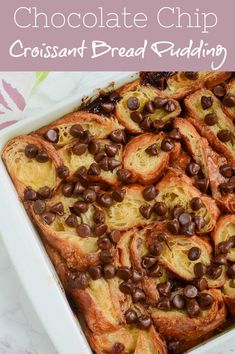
(20, 329)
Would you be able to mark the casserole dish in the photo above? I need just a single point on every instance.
(28, 254)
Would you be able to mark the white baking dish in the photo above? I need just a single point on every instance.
(29, 257)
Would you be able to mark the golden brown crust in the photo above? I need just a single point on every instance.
(146, 169)
(224, 229)
(99, 126)
(176, 325)
(229, 295)
(144, 94)
(27, 172)
(196, 117)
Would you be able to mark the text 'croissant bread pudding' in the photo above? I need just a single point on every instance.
(133, 196)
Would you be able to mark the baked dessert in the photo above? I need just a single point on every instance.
(133, 196)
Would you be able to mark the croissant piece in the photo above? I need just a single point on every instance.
(228, 107)
(143, 95)
(224, 230)
(28, 171)
(229, 295)
(214, 133)
(99, 126)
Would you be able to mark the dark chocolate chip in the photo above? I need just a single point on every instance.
(190, 291)
(136, 276)
(219, 91)
(118, 195)
(192, 169)
(146, 211)
(133, 103)
(100, 156)
(205, 300)
(188, 229)
(184, 219)
(71, 220)
(81, 172)
(44, 192)
(211, 119)
(229, 100)
(58, 209)
(111, 150)
(155, 248)
(152, 150)
(106, 257)
(85, 138)
(125, 287)
(167, 144)
(93, 147)
(52, 135)
(67, 189)
(170, 106)
(164, 304)
(160, 102)
(118, 348)
(137, 117)
(109, 271)
(105, 200)
(150, 192)
(108, 107)
(81, 281)
(124, 273)
(146, 124)
(115, 236)
(201, 284)
(83, 230)
(63, 172)
(194, 253)
(173, 226)
(203, 184)
(214, 272)
(200, 269)
(31, 151)
(220, 259)
(80, 207)
(138, 295)
(48, 218)
(79, 149)
(158, 125)
(196, 203)
(206, 102)
(118, 136)
(160, 208)
(95, 272)
(113, 163)
(191, 75)
(149, 107)
(89, 195)
(39, 207)
(104, 164)
(76, 130)
(174, 134)
(131, 316)
(99, 216)
(42, 156)
(226, 170)
(100, 229)
(224, 135)
(164, 288)
(94, 170)
(144, 321)
(104, 243)
(193, 308)
(30, 194)
(124, 175)
(177, 211)
(231, 271)
(178, 301)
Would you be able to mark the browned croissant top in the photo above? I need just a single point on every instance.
(133, 196)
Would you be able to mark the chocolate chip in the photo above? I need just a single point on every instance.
(164, 288)
(191, 75)
(178, 301)
(164, 304)
(188, 229)
(231, 271)
(150, 192)
(71, 220)
(152, 150)
(39, 207)
(131, 316)
(177, 211)
(146, 124)
(108, 107)
(106, 257)
(229, 100)
(113, 163)
(211, 119)
(48, 218)
(109, 271)
(100, 229)
(125, 288)
(133, 103)
(190, 291)
(85, 138)
(104, 164)
(58, 209)
(52, 135)
(89, 196)
(80, 207)
(104, 243)
(158, 125)
(94, 170)
(224, 247)
(173, 226)
(224, 135)
(111, 150)
(42, 156)
(148, 261)
(137, 117)
(219, 91)
(62, 172)
(138, 295)
(81, 172)
(206, 102)
(100, 156)
(83, 230)
(98, 216)
(219, 259)
(30, 194)
(76, 130)
(226, 170)
(184, 219)
(170, 106)
(136, 276)
(115, 236)
(93, 147)
(105, 200)
(144, 321)
(160, 208)
(167, 144)
(67, 190)
(118, 348)
(193, 308)
(200, 269)
(95, 272)
(160, 102)
(194, 253)
(200, 222)
(155, 248)
(201, 284)
(79, 149)
(226, 188)
(118, 195)
(31, 151)
(124, 175)
(192, 169)
(205, 300)
(174, 134)
(146, 211)
(203, 184)
(196, 203)
(81, 281)
(149, 107)
(44, 192)
(214, 272)
(124, 273)
(118, 136)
